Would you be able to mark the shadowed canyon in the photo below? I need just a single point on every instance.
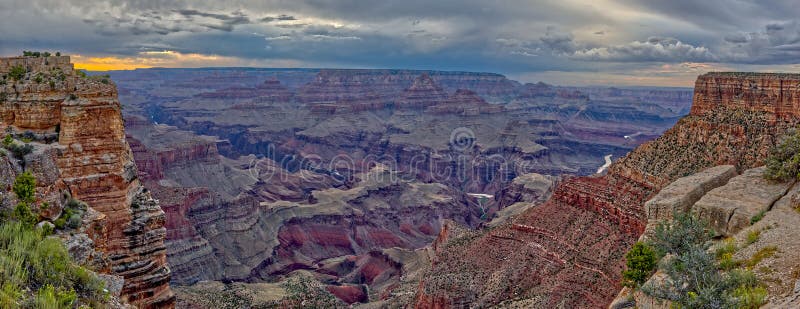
(352, 174)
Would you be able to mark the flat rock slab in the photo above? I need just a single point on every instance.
(681, 194)
(729, 208)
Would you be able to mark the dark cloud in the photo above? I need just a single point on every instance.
(509, 37)
(281, 17)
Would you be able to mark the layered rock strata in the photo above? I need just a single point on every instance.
(92, 163)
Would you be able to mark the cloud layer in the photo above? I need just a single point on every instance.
(518, 37)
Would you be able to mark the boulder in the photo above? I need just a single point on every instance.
(684, 192)
(729, 208)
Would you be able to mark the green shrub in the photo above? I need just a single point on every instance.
(696, 278)
(8, 140)
(750, 297)
(25, 187)
(50, 298)
(783, 163)
(724, 254)
(17, 72)
(74, 221)
(680, 235)
(641, 261)
(24, 214)
(758, 217)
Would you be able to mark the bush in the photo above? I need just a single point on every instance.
(681, 235)
(783, 163)
(641, 261)
(696, 278)
(8, 140)
(74, 221)
(25, 187)
(20, 152)
(23, 214)
(17, 72)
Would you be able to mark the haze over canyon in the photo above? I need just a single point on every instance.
(383, 154)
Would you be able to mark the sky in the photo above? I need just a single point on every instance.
(564, 42)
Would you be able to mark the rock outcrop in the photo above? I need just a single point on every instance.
(680, 196)
(90, 161)
(730, 208)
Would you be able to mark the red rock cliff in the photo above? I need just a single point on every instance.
(94, 164)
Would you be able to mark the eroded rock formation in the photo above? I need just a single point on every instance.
(288, 185)
(80, 149)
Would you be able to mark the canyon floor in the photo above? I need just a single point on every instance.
(349, 177)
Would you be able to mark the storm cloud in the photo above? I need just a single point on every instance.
(516, 37)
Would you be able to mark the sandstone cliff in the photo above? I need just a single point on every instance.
(569, 251)
(80, 149)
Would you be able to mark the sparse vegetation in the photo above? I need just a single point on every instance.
(783, 162)
(753, 236)
(17, 72)
(762, 254)
(758, 217)
(305, 293)
(696, 278)
(71, 215)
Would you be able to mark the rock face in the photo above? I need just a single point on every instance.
(542, 259)
(681, 195)
(92, 163)
(776, 95)
(729, 208)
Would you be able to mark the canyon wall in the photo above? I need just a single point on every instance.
(569, 251)
(80, 125)
(262, 178)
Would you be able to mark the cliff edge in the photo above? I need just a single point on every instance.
(78, 150)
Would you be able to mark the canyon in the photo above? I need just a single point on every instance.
(388, 188)
(348, 176)
(569, 251)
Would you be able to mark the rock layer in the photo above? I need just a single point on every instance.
(95, 165)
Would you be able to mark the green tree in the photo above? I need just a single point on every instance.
(641, 261)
